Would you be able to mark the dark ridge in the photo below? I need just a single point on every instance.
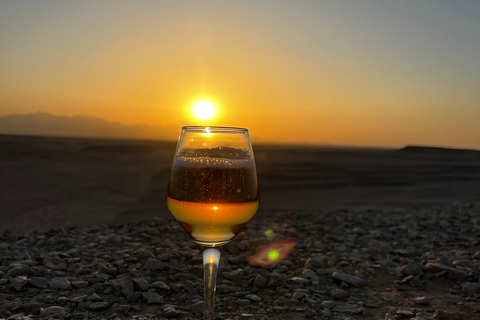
(437, 151)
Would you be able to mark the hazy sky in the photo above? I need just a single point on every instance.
(362, 72)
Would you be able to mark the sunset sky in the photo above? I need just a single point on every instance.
(379, 73)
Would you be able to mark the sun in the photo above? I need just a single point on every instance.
(203, 110)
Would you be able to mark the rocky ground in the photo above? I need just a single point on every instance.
(378, 264)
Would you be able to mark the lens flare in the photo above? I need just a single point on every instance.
(272, 253)
(269, 234)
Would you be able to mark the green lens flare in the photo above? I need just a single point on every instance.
(269, 234)
(273, 255)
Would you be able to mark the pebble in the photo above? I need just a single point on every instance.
(154, 264)
(39, 282)
(152, 297)
(352, 280)
(18, 283)
(346, 308)
(405, 313)
(422, 300)
(471, 287)
(140, 284)
(338, 294)
(253, 297)
(99, 305)
(101, 272)
(59, 283)
(161, 285)
(51, 310)
(412, 268)
(260, 282)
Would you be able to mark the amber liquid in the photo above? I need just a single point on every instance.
(213, 203)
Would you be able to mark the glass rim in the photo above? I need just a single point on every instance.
(214, 129)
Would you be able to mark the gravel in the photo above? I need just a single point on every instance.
(420, 263)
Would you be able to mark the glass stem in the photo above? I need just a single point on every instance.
(211, 258)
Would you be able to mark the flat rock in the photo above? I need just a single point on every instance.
(236, 275)
(346, 308)
(145, 254)
(59, 283)
(260, 282)
(161, 285)
(154, 264)
(439, 267)
(18, 283)
(405, 313)
(39, 282)
(51, 310)
(352, 280)
(253, 297)
(471, 287)
(338, 293)
(412, 268)
(140, 284)
(422, 300)
(152, 297)
(99, 305)
(124, 283)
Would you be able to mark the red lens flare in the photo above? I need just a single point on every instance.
(272, 253)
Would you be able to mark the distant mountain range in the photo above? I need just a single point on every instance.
(45, 124)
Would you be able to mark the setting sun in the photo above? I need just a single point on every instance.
(203, 110)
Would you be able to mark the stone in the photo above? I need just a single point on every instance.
(439, 267)
(338, 294)
(51, 310)
(464, 263)
(253, 297)
(260, 282)
(59, 283)
(237, 259)
(352, 280)
(99, 305)
(18, 283)
(471, 287)
(79, 284)
(388, 316)
(133, 297)
(161, 285)
(412, 268)
(20, 270)
(346, 308)
(94, 297)
(140, 284)
(124, 283)
(422, 300)
(318, 261)
(78, 299)
(170, 312)
(367, 313)
(144, 254)
(309, 274)
(39, 282)
(298, 295)
(328, 304)
(154, 264)
(236, 275)
(242, 302)
(405, 313)
(198, 307)
(152, 297)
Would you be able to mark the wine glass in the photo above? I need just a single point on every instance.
(212, 193)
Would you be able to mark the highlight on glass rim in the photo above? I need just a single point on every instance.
(239, 160)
